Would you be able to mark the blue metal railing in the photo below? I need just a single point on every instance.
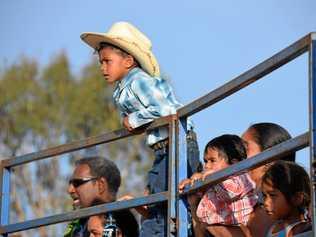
(177, 150)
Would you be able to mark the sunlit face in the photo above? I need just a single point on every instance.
(275, 202)
(85, 194)
(113, 65)
(252, 149)
(214, 161)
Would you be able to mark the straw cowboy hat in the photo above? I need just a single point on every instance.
(128, 38)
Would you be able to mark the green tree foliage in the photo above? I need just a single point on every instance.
(44, 107)
(18, 98)
(90, 107)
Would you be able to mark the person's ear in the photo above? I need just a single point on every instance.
(102, 185)
(129, 61)
(298, 199)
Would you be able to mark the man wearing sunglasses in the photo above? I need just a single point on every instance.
(94, 180)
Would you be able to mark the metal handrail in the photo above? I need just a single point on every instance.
(267, 156)
(84, 212)
(279, 59)
(82, 144)
(284, 56)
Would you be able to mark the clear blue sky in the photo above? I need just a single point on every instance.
(200, 45)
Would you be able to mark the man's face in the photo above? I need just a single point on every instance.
(83, 187)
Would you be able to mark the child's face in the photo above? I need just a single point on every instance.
(113, 65)
(214, 161)
(275, 202)
(95, 226)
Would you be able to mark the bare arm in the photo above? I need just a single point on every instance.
(142, 210)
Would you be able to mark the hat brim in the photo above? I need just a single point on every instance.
(144, 57)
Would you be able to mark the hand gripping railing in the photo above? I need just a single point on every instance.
(177, 151)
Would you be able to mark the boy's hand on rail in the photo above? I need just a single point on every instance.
(184, 183)
(195, 177)
(126, 124)
(190, 181)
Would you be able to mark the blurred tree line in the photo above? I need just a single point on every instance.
(44, 107)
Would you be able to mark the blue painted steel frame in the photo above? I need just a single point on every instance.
(178, 149)
(182, 173)
(84, 212)
(172, 184)
(5, 196)
(312, 120)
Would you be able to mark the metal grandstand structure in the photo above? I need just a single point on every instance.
(177, 150)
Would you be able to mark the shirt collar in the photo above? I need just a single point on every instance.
(127, 78)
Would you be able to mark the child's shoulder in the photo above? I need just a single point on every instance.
(142, 79)
(290, 230)
(301, 228)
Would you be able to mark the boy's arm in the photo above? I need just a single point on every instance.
(153, 101)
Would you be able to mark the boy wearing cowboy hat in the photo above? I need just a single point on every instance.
(141, 96)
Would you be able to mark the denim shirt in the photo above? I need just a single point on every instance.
(142, 99)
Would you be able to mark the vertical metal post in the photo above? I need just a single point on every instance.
(182, 173)
(312, 123)
(172, 179)
(5, 196)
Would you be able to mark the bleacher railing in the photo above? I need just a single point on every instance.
(178, 151)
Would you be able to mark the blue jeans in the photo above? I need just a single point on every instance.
(158, 175)
(156, 224)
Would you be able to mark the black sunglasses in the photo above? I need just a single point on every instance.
(79, 181)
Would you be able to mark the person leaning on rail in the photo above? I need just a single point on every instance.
(229, 202)
(257, 138)
(94, 180)
(286, 188)
(141, 96)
